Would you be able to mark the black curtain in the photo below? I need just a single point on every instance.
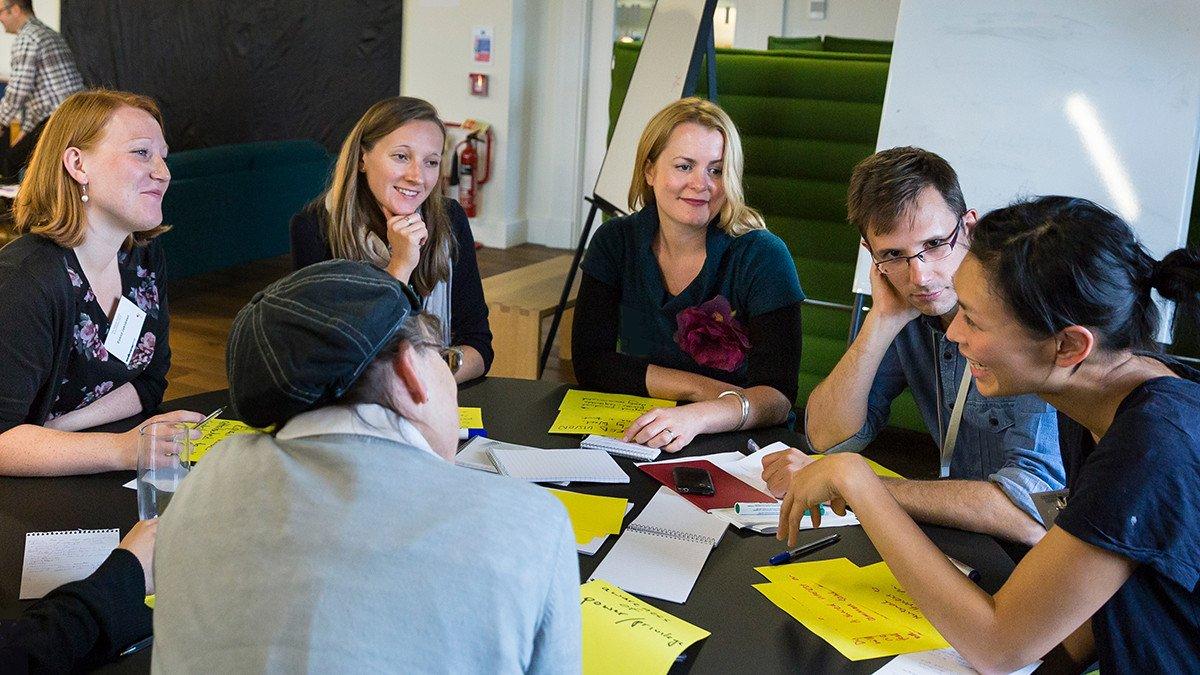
(231, 71)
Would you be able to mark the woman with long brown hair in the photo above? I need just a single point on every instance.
(384, 205)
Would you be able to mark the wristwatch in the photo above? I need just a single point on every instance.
(453, 357)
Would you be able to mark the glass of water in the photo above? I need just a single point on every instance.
(164, 450)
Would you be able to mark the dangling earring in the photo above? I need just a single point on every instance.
(83, 197)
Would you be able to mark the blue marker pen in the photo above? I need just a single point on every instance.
(810, 547)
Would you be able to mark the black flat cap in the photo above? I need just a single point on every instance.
(305, 339)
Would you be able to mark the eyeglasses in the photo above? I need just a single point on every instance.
(899, 264)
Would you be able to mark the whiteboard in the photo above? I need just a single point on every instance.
(658, 79)
(1097, 99)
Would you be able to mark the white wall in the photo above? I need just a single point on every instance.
(435, 62)
(549, 92)
(539, 83)
(756, 20)
(45, 10)
(871, 19)
(555, 100)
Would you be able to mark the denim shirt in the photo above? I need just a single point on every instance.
(1011, 441)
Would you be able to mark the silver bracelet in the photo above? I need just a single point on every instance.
(745, 406)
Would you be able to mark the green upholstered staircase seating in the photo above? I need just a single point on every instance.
(231, 204)
(807, 44)
(806, 118)
(830, 43)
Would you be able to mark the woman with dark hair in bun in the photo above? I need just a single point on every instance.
(1055, 299)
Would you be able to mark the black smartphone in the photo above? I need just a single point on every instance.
(690, 480)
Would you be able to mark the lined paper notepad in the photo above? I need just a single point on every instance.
(556, 466)
(662, 551)
(55, 558)
(620, 448)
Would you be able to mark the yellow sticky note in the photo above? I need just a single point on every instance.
(591, 412)
(470, 418)
(622, 634)
(807, 570)
(602, 424)
(879, 469)
(584, 401)
(583, 537)
(215, 431)
(592, 515)
(862, 612)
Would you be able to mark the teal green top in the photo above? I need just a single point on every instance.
(754, 272)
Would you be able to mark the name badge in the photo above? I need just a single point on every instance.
(125, 330)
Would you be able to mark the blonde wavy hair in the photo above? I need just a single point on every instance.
(735, 218)
(351, 212)
(48, 202)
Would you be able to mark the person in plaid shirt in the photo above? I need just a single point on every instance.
(43, 75)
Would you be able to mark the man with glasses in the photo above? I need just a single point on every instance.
(910, 210)
(42, 76)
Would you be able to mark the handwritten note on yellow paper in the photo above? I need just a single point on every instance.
(592, 515)
(622, 634)
(590, 412)
(470, 418)
(862, 611)
(879, 469)
(218, 430)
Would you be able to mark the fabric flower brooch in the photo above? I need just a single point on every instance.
(712, 336)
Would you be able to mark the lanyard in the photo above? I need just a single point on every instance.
(960, 402)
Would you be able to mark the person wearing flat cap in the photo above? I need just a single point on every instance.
(348, 540)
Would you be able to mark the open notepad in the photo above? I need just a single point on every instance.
(620, 448)
(555, 466)
(55, 558)
(662, 551)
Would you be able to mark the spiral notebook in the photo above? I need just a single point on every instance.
(620, 448)
(662, 551)
(557, 466)
(55, 558)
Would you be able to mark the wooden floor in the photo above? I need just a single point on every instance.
(202, 310)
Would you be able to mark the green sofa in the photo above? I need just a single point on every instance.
(231, 204)
(830, 43)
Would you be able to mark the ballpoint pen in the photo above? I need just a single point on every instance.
(137, 646)
(789, 556)
(210, 417)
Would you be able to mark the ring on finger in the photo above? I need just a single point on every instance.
(670, 434)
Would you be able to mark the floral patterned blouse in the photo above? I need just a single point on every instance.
(91, 372)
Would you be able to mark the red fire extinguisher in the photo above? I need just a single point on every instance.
(467, 164)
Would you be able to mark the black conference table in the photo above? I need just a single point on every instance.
(749, 633)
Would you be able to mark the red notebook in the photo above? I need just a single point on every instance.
(729, 490)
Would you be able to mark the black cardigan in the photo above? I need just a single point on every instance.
(81, 624)
(37, 320)
(468, 310)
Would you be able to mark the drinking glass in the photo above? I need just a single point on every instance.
(164, 449)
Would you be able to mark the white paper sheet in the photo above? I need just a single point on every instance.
(937, 661)
(55, 558)
(661, 553)
(547, 466)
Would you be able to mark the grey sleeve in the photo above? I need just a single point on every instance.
(558, 643)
